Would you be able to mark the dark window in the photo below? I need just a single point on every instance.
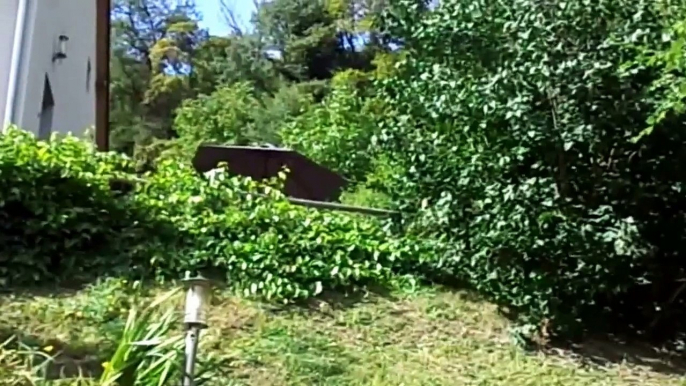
(46, 111)
(88, 75)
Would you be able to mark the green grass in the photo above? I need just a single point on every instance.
(431, 337)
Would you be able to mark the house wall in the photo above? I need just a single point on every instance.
(72, 86)
(8, 12)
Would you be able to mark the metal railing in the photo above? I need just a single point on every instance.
(306, 203)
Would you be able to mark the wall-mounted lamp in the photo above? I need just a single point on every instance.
(61, 52)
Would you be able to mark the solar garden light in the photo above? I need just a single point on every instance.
(198, 292)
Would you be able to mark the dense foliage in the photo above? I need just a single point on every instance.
(513, 128)
(162, 57)
(338, 132)
(62, 221)
(539, 144)
(57, 214)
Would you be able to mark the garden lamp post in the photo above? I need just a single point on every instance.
(198, 291)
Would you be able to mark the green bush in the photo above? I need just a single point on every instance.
(510, 136)
(263, 244)
(237, 114)
(366, 197)
(60, 217)
(666, 94)
(228, 115)
(337, 133)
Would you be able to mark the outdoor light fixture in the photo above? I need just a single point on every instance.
(61, 52)
(197, 300)
(198, 292)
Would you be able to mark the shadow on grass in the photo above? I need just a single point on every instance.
(619, 347)
(50, 290)
(611, 350)
(333, 300)
(63, 361)
(614, 344)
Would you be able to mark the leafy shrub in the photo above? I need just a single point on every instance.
(285, 105)
(146, 158)
(510, 136)
(226, 116)
(366, 197)
(263, 244)
(237, 114)
(337, 133)
(667, 91)
(60, 219)
(58, 216)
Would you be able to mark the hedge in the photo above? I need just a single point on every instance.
(62, 221)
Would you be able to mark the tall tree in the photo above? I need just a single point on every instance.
(154, 42)
(312, 41)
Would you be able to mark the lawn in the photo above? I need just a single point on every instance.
(427, 337)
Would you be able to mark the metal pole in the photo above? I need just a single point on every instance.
(299, 201)
(340, 207)
(195, 319)
(192, 337)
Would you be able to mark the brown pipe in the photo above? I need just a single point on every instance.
(102, 75)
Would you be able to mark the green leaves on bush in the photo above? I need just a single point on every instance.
(227, 115)
(338, 132)
(510, 137)
(264, 245)
(59, 215)
(663, 56)
(238, 114)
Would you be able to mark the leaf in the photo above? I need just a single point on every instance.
(318, 288)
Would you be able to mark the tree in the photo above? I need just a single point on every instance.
(510, 137)
(225, 116)
(227, 60)
(337, 132)
(154, 43)
(312, 41)
(356, 24)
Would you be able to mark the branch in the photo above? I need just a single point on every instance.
(230, 19)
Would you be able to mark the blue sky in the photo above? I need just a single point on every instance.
(212, 14)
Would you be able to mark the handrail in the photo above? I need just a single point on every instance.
(306, 203)
(341, 207)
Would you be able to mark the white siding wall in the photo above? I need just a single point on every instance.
(8, 12)
(74, 109)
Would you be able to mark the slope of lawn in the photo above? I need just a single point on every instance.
(427, 337)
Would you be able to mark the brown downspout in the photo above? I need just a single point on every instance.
(102, 75)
